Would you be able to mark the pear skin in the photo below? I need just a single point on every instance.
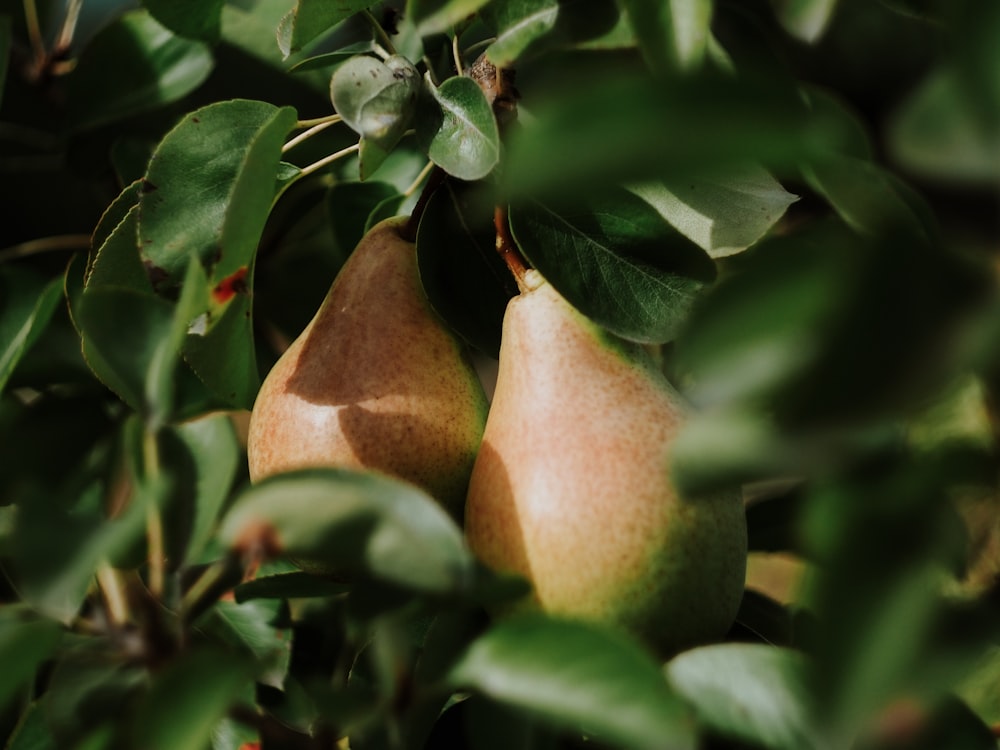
(572, 489)
(375, 381)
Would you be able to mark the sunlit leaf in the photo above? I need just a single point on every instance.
(617, 692)
(526, 28)
(436, 16)
(209, 187)
(311, 18)
(364, 524)
(805, 19)
(938, 133)
(754, 693)
(457, 129)
(673, 34)
(722, 213)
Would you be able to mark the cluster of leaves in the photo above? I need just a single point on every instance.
(787, 197)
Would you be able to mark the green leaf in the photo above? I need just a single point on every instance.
(805, 19)
(163, 68)
(250, 627)
(33, 731)
(189, 698)
(195, 19)
(311, 18)
(224, 357)
(578, 677)
(26, 640)
(209, 188)
(128, 351)
(217, 455)
(116, 261)
(457, 129)
(376, 99)
(439, 16)
(722, 213)
(672, 35)
(868, 198)
(526, 28)
(363, 523)
(938, 133)
(629, 128)
(616, 259)
(27, 304)
(749, 692)
(466, 281)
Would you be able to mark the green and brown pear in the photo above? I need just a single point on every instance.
(376, 381)
(572, 487)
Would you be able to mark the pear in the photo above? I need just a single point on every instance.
(375, 381)
(572, 488)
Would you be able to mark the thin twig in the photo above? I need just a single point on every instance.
(327, 160)
(114, 594)
(59, 242)
(428, 168)
(318, 120)
(68, 29)
(34, 28)
(383, 38)
(154, 522)
(307, 134)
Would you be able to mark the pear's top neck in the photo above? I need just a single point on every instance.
(530, 281)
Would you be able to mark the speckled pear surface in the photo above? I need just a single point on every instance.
(572, 489)
(375, 381)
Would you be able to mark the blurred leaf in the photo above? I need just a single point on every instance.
(617, 692)
(722, 213)
(526, 28)
(363, 523)
(217, 454)
(976, 27)
(27, 304)
(26, 641)
(195, 19)
(58, 551)
(457, 129)
(297, 585)
(749, 692)
(672, 35)
(310, 18)
(616, 259)
(376, 98)
(89, 686)
(438, 16)
(162, 68)
(208, 191)
(466, 281)
(630, 128)
(869, 199)
(937, 133)
(188, 699)
(805, 19)
(32, 731)
(251, 628)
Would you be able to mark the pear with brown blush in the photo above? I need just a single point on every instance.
(376, 381)
(572, 487)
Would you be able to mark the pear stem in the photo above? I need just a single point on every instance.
(508, 248)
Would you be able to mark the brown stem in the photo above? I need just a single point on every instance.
(433, 183)
(508, 248)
